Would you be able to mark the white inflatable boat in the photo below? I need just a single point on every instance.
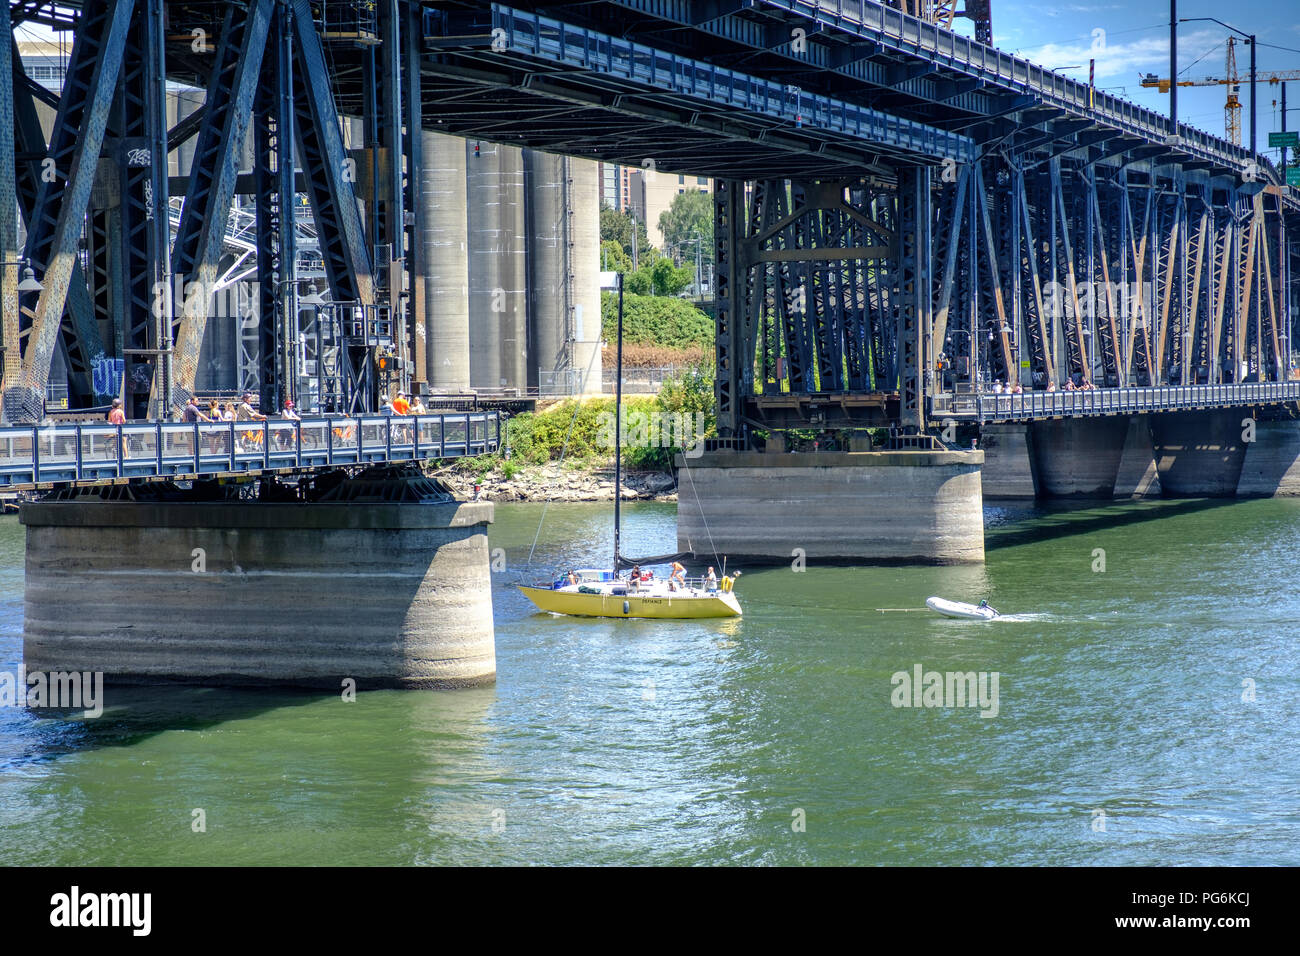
(978, 612)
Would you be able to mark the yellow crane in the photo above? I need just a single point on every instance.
(1230, 79)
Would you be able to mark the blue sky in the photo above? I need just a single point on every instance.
(1136, 41)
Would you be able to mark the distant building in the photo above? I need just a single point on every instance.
(616, 186)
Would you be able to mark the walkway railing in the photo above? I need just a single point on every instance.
(1027, 406)
(80, 453)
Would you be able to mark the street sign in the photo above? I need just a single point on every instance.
(1290, 139)
(1293, 176)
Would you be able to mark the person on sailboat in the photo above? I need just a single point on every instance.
(678, 575)
(634, 579)
(711, 581)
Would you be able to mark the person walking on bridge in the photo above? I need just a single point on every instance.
(244, 413)
(118, 417)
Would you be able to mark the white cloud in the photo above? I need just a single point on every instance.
(1125, 60)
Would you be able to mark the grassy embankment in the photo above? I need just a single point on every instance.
(657, 332)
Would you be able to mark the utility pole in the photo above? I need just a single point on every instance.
(1173, 67)
(1253, 44)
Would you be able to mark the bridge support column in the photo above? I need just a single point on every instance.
(240, 592)
(1078, 457)
(1008, 462)
(1137, 476)
(922, 506)
(1272, 462)
(1199, 454)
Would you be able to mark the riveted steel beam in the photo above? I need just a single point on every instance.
(68, 175)
(227, 113)
(330, 172)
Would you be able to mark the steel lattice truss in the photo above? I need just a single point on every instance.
(898, 209)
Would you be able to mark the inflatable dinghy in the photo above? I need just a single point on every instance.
(977, 612)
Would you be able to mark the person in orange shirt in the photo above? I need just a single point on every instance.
(400, 405)
(118, 417)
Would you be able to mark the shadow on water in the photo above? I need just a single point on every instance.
(133, 713)
(1065, 519)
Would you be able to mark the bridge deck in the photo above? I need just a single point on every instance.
(78, 454)
(987, 407)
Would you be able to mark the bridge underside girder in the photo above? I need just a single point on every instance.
(897, 211)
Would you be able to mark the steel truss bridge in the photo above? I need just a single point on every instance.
(901, 213)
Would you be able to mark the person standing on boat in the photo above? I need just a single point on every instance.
(711, 581)
(679, 574)
(634, 579)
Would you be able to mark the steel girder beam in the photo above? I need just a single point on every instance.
(68, 176)
(1194, 353)
(1062, 251)
(951, 209)
(277, 340)
(417, 256)
(80, 341)
(912, 303)
(790, 295)
(9, 353)
(1220, 280)
(392, 208)
(328, 169)
(729, 280)
(1100, 228)
(993, 309)
(227, 112)
(142, 248)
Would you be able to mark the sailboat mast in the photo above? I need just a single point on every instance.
(618, 424)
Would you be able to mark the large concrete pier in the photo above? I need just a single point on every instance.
(1210, 454)
(241, 592)
(922, 506)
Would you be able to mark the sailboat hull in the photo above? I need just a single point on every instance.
(686, 607)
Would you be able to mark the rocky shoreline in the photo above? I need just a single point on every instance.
(552, 483)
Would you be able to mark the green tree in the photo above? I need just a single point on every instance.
(613, 258)
(668, 279)
(619, 227)
(690, 215)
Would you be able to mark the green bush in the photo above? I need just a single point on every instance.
(655, 320)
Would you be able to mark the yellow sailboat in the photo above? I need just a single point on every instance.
(600, 593)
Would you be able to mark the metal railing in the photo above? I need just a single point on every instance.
(88, 453)
(1026, 406)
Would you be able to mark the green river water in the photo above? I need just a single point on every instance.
(1121, 734)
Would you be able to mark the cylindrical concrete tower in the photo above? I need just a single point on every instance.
(446, 280)
(514, 270)
(486, 292)
(548, 286)
(584, 268)
(564, 265)
(184, 104)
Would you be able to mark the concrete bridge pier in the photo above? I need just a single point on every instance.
(1086, 458)
(1272, 462)
(922, 506)
(260, 592)
(1200, 454)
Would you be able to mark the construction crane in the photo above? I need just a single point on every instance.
(1230, 79)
